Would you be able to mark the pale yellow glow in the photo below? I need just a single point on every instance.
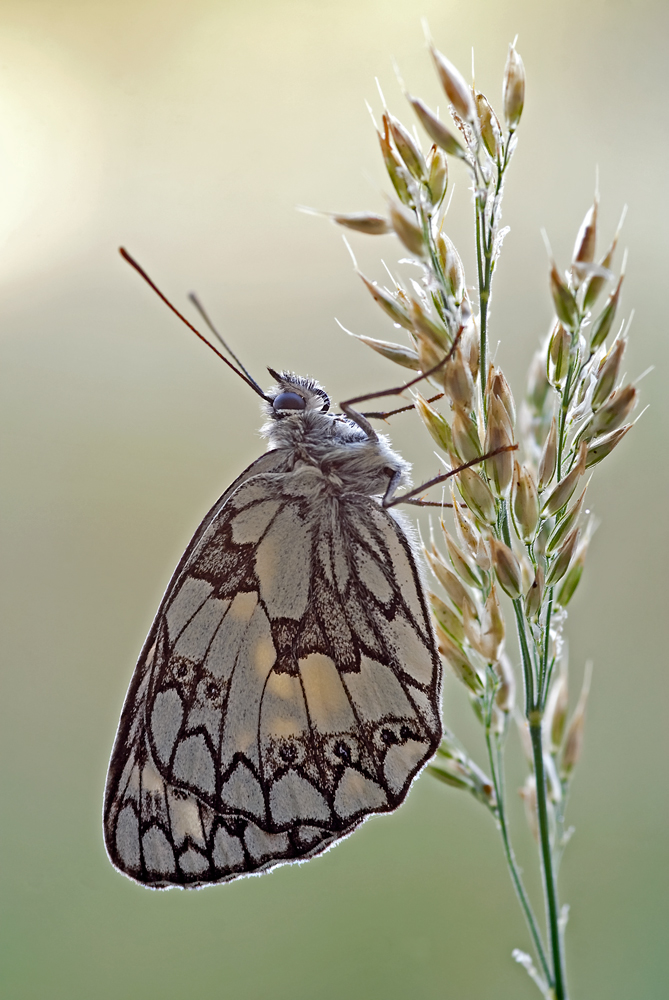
(328, 705)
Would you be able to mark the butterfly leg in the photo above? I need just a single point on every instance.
(384, 414)
(361, 418)
(393, 482)
(389, 501)
(428, 503)
(395, 479)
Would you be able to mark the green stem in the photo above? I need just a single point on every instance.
(543, 676)
(534, 717)
(521, 893)
(566, 395)
(533, 682)
(483, 305)
(562, 421)
(550, 890)
(519, 611)
(528, 673)
(484, 242)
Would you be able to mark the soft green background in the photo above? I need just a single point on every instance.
(189, 131)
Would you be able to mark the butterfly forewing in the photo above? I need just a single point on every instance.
(289, 686)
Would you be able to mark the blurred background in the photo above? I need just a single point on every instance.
(188, 132)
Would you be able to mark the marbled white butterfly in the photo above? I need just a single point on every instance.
(290, 684)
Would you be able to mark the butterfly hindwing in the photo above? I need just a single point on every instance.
(288, 689)
(162, 836)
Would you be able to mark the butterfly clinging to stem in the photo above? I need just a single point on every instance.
(290, 684)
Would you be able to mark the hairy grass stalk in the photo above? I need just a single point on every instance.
(518, 479)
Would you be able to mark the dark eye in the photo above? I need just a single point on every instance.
(289, 401)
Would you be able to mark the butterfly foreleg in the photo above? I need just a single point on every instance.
(384, 414)
(361, 418)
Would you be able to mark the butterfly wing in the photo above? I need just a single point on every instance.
(291, 688)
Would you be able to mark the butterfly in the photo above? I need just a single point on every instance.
(290, 684)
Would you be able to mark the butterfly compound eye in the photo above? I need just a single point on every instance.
(289, 401)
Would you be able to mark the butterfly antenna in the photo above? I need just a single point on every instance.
(205, 316)
(244, 377)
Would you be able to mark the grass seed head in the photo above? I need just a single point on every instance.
(469, 536)
(452, 266)
(513, 88)
(555, 718)
(436, 424)
(398, 353)
(397, 172)
(584, 247)
(573, 743)
(535, 594)
(457, 769)
(425, 325)
(492, 628)
(477, 495)
(406, 146)
(525, 501)
(548, 460)
(614, 412)
(449, 581)
(462, 566)
(562, 558)
(437, 180)
(566, 308)
(403, 221)
(498, 387)
(505, 696)
(561, 494)
(459, 662)
(447, 618)
(388, 303)
(601, 447)
(470, 345)
(602, 325)
(428, 353)
(507, 569)
(450, 774)
(596, 282)
(564, 526)
(489, 126)
(465, 436)
(537, 382)
(558, 355)
(573, 576)
(363, 222)
(436, 129)
(455, 87)
(607, 374)
(458, 382)
(499, 434)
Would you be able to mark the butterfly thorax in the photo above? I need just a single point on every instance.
(348, 459)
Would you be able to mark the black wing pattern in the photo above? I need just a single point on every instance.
(289, 687)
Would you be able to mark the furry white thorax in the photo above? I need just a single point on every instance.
(333, 444)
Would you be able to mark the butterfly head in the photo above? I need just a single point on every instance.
(294, 394)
